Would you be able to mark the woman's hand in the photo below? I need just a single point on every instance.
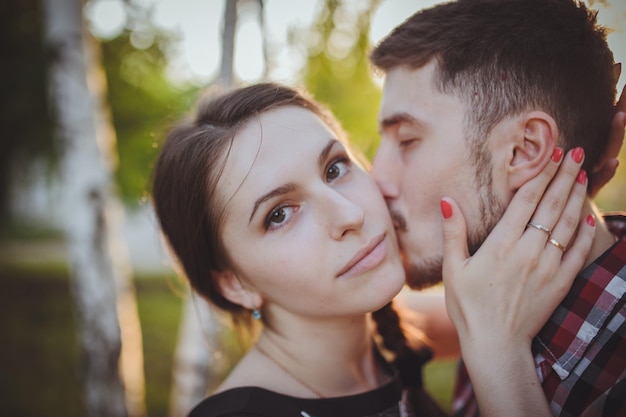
(501, 297)
(517, 277)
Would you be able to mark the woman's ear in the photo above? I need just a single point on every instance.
(532, 149)
(235, 291)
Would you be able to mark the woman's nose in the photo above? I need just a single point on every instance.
(345, 216)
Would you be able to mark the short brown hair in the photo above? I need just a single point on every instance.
(502, 57)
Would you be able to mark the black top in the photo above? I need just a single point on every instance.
(403, 396)
(386, 401)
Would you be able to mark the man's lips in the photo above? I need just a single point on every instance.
(369, 257)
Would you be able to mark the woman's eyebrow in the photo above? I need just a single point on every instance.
(283, 189)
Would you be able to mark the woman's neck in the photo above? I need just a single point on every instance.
(330, 358)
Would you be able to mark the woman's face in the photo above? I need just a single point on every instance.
(305, 226)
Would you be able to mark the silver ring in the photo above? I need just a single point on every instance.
(540, 227)
(557, 244)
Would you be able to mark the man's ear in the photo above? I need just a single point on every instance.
(532, 148)
(235, 291)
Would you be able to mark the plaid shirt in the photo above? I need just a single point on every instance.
(580, 353)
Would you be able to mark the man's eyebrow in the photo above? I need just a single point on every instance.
(290, 187)
(321, 159)
(397, 118)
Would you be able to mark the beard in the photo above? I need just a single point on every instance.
(428, 272)
(425, 274)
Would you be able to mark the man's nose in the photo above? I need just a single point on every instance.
(385, 172)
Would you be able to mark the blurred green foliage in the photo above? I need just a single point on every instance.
(613, 196)
(144, 103)
(337, 71)
(438, 380)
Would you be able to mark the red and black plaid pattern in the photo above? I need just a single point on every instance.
(581, 352)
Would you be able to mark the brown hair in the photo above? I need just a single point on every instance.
(502, 57)
(189, 211)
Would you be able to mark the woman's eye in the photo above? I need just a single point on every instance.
(278, 216)
(337, 169)
(333, 172)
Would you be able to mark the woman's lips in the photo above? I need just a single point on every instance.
(366, 258)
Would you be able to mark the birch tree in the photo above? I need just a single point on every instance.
(98, 258)
(228, 44)
(198, 361)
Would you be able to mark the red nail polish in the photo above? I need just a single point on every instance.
(557, 154)
(578, 154)
(590, 220)
(446, 209)
(582, 177)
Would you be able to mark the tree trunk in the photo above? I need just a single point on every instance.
(131, 355)
(267, 61)
(199, 359)
(98, 259)
(228, 44)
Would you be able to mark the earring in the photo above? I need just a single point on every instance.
(256, 314)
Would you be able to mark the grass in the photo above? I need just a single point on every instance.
(438, 377)
(40, 356)
(160, 311)
(40, 359)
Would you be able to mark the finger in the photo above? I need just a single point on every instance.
(621, 102)
(600, 178)
(567, 224)
(574, 259)
(571, 263)
(616, 138)
(525, 200)
(558, 193)
(454, 230)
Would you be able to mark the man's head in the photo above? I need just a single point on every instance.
(477, 95)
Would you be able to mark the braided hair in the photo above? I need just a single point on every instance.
(410, 351)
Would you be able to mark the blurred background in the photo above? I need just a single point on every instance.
(144, 64)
